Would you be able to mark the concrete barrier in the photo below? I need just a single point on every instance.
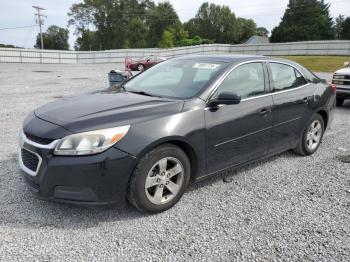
(16, 55)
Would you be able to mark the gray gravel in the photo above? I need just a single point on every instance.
(286, 208)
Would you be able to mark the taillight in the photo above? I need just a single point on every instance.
(333, 88)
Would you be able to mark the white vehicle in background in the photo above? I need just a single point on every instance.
(341, 79)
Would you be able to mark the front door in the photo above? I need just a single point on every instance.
(239, 133)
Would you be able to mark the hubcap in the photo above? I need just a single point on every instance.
(314, 135)
(164, 180)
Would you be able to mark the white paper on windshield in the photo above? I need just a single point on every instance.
(205, 66)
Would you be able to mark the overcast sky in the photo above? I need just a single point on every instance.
(16, 13)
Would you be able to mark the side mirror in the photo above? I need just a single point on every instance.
(225, 98)
(347, 64)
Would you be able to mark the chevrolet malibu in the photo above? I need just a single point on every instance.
(179, 122)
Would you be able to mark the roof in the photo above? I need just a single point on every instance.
(255, 39)
(229, 58)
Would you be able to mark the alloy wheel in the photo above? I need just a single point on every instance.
(314, 135)
(164, 181)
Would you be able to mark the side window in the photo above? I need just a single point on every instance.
(300, 79)
(246, 80)
(285, 77)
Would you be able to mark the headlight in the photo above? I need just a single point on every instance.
(92, 142)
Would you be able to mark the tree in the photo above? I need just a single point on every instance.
(137, 35)
(109, 19)
(214, 22)
(87, 41)
(304, 20)
(262, 31)
(159, 19)
(55, 38)
(338, 27)
(246, 29)
(167, 39)
(9, 46)
(342, 27)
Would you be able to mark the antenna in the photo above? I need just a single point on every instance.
(40, 21)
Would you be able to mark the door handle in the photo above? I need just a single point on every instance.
(265, 111)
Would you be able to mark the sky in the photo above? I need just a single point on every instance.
(18, 13)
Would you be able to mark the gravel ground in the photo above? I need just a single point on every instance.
(286, 208)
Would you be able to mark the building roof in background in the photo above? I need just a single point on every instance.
(255, 39)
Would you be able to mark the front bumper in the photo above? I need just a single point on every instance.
(85, 180)
(343, 91)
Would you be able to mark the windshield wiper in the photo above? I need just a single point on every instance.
(142, 93)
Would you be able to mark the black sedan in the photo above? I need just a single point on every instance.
(180, 121)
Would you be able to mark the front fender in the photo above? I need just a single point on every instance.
(186, 127)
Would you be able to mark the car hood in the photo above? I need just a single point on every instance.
(106, 109)
(344, 71)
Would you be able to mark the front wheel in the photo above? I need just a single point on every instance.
(160, 179)
(312, 136)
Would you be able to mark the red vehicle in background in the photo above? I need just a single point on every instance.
(143, 63)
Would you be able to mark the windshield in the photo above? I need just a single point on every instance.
(177, 78)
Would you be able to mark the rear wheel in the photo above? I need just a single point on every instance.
(340, 101)
(312, 136)
(160, 179)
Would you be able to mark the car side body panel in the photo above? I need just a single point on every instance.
(221, 137)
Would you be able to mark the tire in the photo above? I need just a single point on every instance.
(160, 179)
(311, 139)
(140, 67)
(340, 101)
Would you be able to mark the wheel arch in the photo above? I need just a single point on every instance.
(324, 115)
(184, 145)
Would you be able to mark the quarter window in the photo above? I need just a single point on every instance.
(246, 80)
(285, 77)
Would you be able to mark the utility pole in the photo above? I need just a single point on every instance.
(40, 22)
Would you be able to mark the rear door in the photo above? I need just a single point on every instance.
(293, 97)
(239, 133)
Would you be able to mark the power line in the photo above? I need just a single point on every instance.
(17, 27)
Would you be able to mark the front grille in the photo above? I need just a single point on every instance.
(340, 77)
(39, 140)
(30, 160)
(343, 80)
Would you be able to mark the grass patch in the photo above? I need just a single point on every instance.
(320, 63)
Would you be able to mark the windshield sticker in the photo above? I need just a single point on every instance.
(205, 66)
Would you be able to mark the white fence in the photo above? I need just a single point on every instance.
(14, 55)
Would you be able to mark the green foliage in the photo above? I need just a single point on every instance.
(262, 31)
(159, 19)
(109, 19)
(246, 29)
(8, 46)
(167, 39)
(197, 40)
(304, 20)
(342, 27)
(214, 22)
(112, 24)
(137, 35)
(55, 38)
(87, 41)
